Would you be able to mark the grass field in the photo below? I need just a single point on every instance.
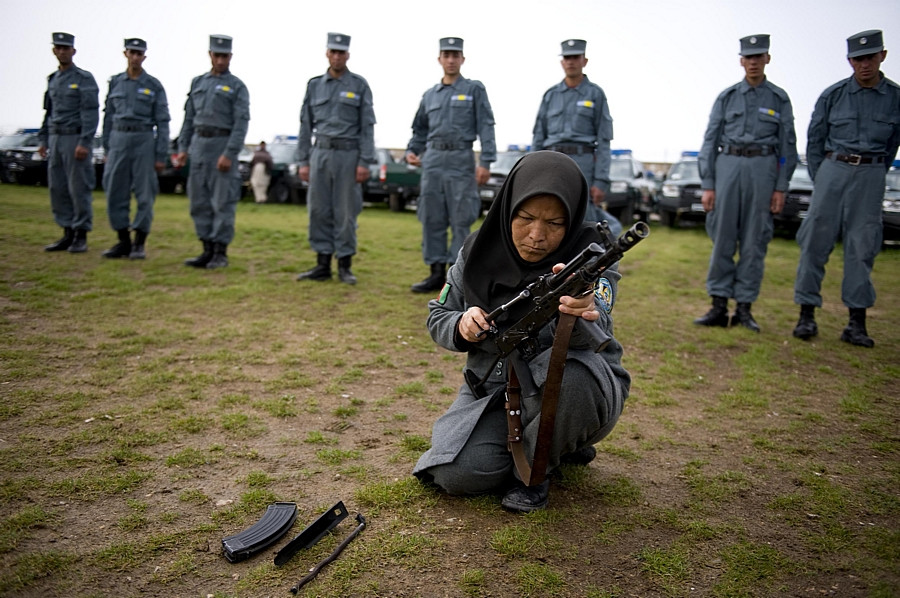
(148, 410)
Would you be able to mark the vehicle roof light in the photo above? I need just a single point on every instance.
(621, 152)
(691, 154)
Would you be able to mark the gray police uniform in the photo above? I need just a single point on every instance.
(576, 121)
(135, 137)
(216, 116)
(749, 151)
(468, 454)
(851, 142)
(446, 124)
(340, 113)
(71, 116)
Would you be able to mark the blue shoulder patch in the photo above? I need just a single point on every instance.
(604, 294)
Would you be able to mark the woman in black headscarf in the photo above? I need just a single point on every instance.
(534, 226)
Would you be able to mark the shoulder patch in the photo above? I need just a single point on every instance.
(442, 298)
(604, 294)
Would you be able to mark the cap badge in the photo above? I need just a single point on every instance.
(337, 38)
(59, 36)
(863, 41)
(451, 41)
(571, 42)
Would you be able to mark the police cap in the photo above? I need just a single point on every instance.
(864, 42)
(754, 44)
(220, 44)
(338, 41)
(63, 39)
(452, 44)
(573, 47)
(135, 43)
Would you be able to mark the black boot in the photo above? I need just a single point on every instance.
(64, 242)
(435, 282)
(743, 317)
(79, 243)
(122, 248)
(344, 273)
(219, 257)
(525, 499)
(855, 332)
(201, 260)
(717, 315)
(137, 250)
(806, 327)
(322, 271)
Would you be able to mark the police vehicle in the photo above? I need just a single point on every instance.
(630, 192)
(890, 214)
(682, 191)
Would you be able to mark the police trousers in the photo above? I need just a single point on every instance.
(334, 200)
(71, 182)
(213, 195)
(130, 166)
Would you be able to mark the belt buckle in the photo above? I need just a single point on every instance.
(854, 159)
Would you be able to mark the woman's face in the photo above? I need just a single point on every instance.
(538, 227)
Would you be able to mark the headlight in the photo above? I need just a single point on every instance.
(670, 191)
(292, 169)
(618, 187)
(891, 205)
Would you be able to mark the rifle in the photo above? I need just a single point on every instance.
(576, 279)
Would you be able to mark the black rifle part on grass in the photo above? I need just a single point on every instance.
(577, 278)
(275, 523)
(337, 551)
(314, 532)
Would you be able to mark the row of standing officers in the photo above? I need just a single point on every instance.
(747, 157)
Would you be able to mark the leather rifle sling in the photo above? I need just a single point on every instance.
(535, 474)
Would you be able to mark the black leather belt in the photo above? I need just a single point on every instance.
(855, 159)
(337, 144)
(65, 131)
(133, 128)
(212, 132)
(450, 145)
(572, 149)
(748, 151)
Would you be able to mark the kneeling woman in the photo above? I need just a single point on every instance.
(535, 225)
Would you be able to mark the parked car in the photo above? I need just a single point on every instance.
(374, 190)
(499, 171)
(891, 205)
(393, 181)
(796, 200)
(20, 161)
(171, 179)
(285, 185)
(630, 193)
(681, 191)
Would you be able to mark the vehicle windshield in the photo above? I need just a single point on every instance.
(282, 153)
(620, 169)
(505, 162)
(20, 140)
(892, 180)
(684, 170)
(801, 175)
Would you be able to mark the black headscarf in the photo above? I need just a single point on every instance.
(495, 273)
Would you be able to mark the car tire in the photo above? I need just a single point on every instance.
(278, 193)
(396, 202)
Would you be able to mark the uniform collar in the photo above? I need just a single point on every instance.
(879, 87)
(745, 86)
(584, 82)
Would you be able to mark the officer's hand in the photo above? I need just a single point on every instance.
(472, 323)
(597, 195)
(482, 175)
(708, 200)
(159, 166)
(777, 202)
(81, 152)
(223, 165)
(43, 151)
(577, 306)
(413, 159)
(362, 174)
(179, 159)
(304, 173)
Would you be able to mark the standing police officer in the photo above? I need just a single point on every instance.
(852, 140)
(71, 115)
(216, 115)
(135, 106)
(338, 109)
(748, 156)
(574, 119)
(450, 116)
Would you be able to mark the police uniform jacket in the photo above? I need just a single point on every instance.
(849, 119)
(580, 114)
(338, 108)
(71, 104)
(744, 115)
(219, 102)
(140, 104)
(455, 113)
